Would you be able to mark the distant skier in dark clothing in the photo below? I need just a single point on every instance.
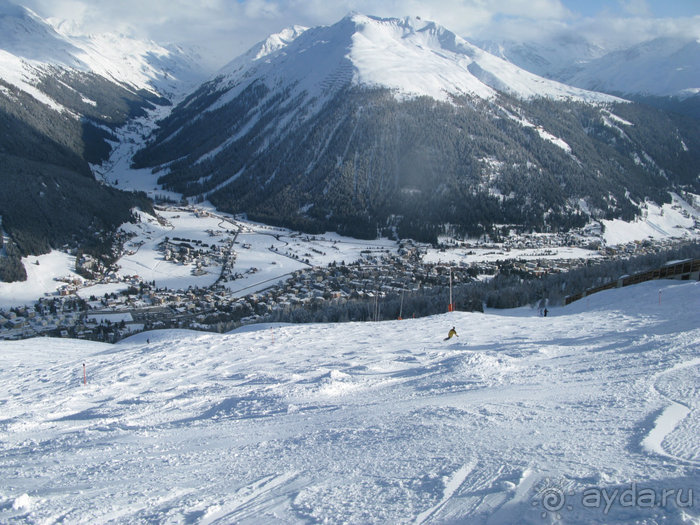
(451, 333)
(545, 312)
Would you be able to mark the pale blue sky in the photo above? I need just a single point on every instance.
(655, 8)
(223, 29)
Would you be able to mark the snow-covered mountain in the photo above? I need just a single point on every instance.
(660, 67)
(554, 58)
(410, 56)
(400, 122)
(29, 45)
(61, 98)
(520, 419)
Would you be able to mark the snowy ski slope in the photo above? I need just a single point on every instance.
(516, 420)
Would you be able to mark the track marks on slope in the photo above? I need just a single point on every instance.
(251, 501)
(451, 486)
(676, 429)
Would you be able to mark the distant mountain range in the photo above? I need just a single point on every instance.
(399, 124)
(664, 71)
(29, 45)
(659, 67)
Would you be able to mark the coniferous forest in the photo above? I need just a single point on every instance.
(49, 196)
(368, 162)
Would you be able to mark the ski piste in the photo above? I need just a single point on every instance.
(363, 422)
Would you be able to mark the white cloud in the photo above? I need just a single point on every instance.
(636, 7)
(256, 9)
(625, 32)
(224, 29)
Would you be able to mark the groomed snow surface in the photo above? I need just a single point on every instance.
(514, 421)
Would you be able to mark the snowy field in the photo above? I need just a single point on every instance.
(42, 272)
(264, 254)
(145, 259)
(676, 220)
(659, 222)
(590, 415)
(490, 255)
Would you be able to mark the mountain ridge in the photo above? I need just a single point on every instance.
(622, 71)
(370, 124)
(450, 63)
(162, 70)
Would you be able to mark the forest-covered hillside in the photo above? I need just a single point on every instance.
(50, 197)
(368, 160)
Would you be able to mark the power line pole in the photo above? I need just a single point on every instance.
(450, 307)
(376, 306)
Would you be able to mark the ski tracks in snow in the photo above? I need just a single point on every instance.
(250, 501)
(677, 427)
(451, 486)
(352, 423)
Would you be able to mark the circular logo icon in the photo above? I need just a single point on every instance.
(551, 499)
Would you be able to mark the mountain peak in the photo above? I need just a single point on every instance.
(338, 128)
(30, 44)
(279, 40)
(26, 35)
(410, 56)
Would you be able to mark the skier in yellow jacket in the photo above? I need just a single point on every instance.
(451, 333)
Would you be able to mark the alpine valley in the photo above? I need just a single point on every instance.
(218, 305)
(61, 99)
(401, 125)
